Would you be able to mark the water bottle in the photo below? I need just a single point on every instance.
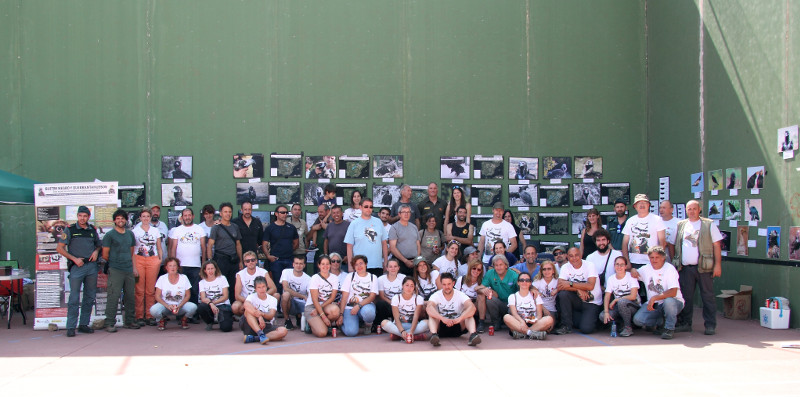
(613, 329)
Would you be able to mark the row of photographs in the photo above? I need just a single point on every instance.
(728, 179)
(391, 166)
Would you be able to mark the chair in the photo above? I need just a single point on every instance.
(11, 294)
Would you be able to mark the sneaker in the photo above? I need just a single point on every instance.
(209, 327)
(393, 337)
(563, 330)
(668, 334)
(184, 323)
(710, 331)
(131, 326)
(111, 329)
(517, 335)
(250, 339)
(627, 331)
(537, 335)
(70, 332)
(288, 325)
(683, 328)
(85, 329)
(162, 324)
(263, 339)
(435, 339)
(419, 337)
(140, 322)
(474, 340)
(660, 331)
(481, 327)
(279, 315)
(151, 321)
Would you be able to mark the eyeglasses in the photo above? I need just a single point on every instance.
(524, 280)
(249, 260)
(546, 269)
(336, 261)
(405, 212)
(282, 212)
(366, 206)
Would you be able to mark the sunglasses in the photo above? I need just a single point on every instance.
(366, 206)
(336, 261)
(249, 260)
(282, 212)
(524, 280)
(454, 242)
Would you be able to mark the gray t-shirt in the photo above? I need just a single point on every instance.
(406, 237)
(335, 235)
(222, 242)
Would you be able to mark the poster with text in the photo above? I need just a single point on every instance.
(354, 167)
(554, 195)
(554, 223)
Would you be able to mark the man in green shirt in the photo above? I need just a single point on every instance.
(118, 247)
(500, 284)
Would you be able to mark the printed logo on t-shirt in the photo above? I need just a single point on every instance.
(189, 238)
(213, 292)
(655, 286)
(406, 310)
(640, 234)
(173, 297)
(295, 286)
(370, 234)
(448, 309)
(692, 237)
(525, 308)
(361, 288)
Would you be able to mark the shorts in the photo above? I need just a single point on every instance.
(245, 327)
(451, 332)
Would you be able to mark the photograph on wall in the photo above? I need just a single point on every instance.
(385, 195)
(173, 218)
(528, 222)
(755, 177)
(176, 194)
(354, 167)
(794, 243)
(320, 167)
(586, 194)
(733, 178)
(344, 191)
(523, 195)
(715, 209)
(577, 220)
(488, 167)
(752, 210)
(523, 168)
(286, 165)
(284, 192)
(696, 183)
(486, 195)
(446, 190)
(554, 223)
(557, 167)
(312, 191)
(607, 216)
(176, 167)
(132, 196)
(715, 181)
(256, 192)
(454, 167)
(554, 195)
(419, 193)
(742, 235)
(787, 139)
(387, 166)
(725, 243)
(587, 167)
(264, 216)
(549, 246)
(611, 192)
(477, 220)
(733, 210)
(248, 165)
(773, 242)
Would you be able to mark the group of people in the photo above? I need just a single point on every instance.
(385, 272)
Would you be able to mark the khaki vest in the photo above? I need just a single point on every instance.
(704, 244)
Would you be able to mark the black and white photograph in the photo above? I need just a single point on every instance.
(387, 166)
(477, 220)
(550, 246)
(133, 218)
(176, 194)
(454, 167)
(284, 192)
(286, 165)
(554, 195)
(256, 193)
(419, 193)
(176, 167)
(320, 167)
(345, 191)
(446, 191)
(557, 167)
(173, 218)
(312, 191)
(787, 139)
(523, 195)
(488, 167)
(586, 194)
(487, 195)
(523, 168)
(248, 165)
(577, 220)
(354, 167)
(554, 223)
(611, 192)
(755, 177)
(528, 222)
(607, 216)
(385, 195)
(132, 196)
(588, 167)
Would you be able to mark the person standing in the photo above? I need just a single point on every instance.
(302, 228)
(493, 230)
(147, 259)
(208, 222)
(187, 243)
(315, 236)
(671, 225)
(405, 198)
(280, 241)
(155, 212)
(460, 230)
(335, 232)
(250, 228)
(603, 258)
(404, 241)
(80, 244)
(118, 251)
(366, 236)
(225, 242)
(433, 206)
(615, 225)
(641, 232)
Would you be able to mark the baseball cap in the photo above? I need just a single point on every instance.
(469, 250)
(419, 259)
(84, 209)
(641, 197)
(497, 205)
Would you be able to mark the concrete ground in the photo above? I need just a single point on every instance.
(742, 359)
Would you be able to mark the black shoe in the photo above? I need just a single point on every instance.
(474, 340)
(435, 339)
(563, 330)
(481, 327)
(85, 329)
(70, 332)
(683, 328)
(667, 334)
(660, 331)
(288, 325)
(710, 331)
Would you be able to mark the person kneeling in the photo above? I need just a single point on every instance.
(664, 298)
(450, 313)
(407, 308)
(259, 312)
(525, 318)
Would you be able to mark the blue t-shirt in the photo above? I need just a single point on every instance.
(280, 239)
(367, 237)
(523, 267)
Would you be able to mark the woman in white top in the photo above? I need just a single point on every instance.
(625, 303)
(470, 284)
(389, 285)
(546, 282)
(172, 296)
(358, 298)
(147, 259)
(322, 289)
(525, 318)
(354, 212)
(213, 300)
(448, 263)
(407, 308)
(428, 280)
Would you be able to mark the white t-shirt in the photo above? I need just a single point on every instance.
(671, 226)
(493, 232)
(620, 288)
(264, 306)
(213, 289)
(360, 287)
(599, 261)
(643, 234)
(446, 266)
(173, 293)
(323, 286)
(582, 275)
(449, 308)
(146, 241)
(407, 307)
(297, 284)
(390, 288)
(548, 293)
(526, 305)
(468, 290)
(427, 288)
(189, 248)
(351, 214)
(659, 281)
(690, 253)
(463, 268)
(247, 280)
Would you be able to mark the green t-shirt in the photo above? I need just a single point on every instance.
(504, 287)
(119, 255)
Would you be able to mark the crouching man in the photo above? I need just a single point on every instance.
(450, 313)
(664, 298)
(259, 312)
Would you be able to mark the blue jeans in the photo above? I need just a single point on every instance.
(351, 322)
(276, 268)
(665, 312)
(159, 311)
(85, 276)
(391, 327)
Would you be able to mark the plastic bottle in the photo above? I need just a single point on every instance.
(613, 329)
